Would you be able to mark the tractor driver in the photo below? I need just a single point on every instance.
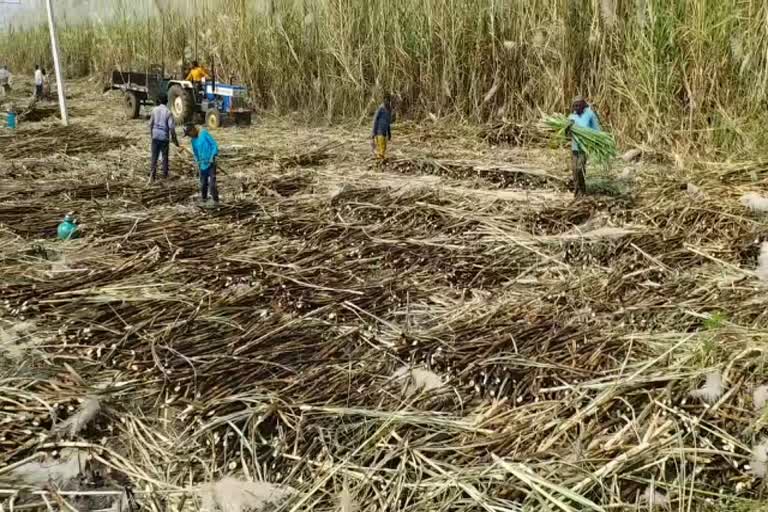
(197, 73)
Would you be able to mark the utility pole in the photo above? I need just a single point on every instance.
(57, 64)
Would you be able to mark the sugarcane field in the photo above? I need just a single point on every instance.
(250, 286)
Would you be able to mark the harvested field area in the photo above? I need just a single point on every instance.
(449, 331)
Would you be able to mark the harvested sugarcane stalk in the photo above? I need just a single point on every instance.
(598, 145)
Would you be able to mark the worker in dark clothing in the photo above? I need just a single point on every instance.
(382, 128)
(46, 85)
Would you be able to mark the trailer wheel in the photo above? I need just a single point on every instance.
(131, 105)
(213, 119)
(181, 104)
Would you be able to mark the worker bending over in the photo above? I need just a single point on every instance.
(382, 127)
(206, 150)
(162, 129)
(197, 73)
(583, 116)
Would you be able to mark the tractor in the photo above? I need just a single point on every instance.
(211, 101)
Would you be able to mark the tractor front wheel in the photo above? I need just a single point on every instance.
(213, 119)
(131, 105)
(181, 103)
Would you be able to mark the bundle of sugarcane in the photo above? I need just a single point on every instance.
(514, 134)
(598, 145)
(35, 113)
(499, 174)
(67, 140)
(239, 157)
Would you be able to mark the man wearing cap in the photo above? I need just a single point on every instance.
(162, 129)
(206, 150)
(583, 116)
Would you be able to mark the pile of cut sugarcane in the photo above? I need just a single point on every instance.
(57, 140)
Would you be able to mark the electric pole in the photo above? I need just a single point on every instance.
(57, 64)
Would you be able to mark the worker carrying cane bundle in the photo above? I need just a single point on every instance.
(582, 116)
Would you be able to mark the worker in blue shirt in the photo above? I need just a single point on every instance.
(581, 115)
(206, 150)
(382, 127)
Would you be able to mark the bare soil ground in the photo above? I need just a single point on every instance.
(448, 331)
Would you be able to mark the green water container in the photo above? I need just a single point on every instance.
(68, 229)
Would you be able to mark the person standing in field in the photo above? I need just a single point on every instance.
(382, 128)
(5, 81)
(46, 85)
(162, 129)
(583, 116)
(205, 150)
(38, 82)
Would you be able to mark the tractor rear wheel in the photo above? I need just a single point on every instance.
(213, 119)
(181, 103)
(131, 105)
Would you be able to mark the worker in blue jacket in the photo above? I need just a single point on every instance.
(206, 150)
(583, 116)
(382, 127)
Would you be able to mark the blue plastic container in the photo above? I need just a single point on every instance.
(10, 120)
(68, 229)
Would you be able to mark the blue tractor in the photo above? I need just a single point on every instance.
(210, 101)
